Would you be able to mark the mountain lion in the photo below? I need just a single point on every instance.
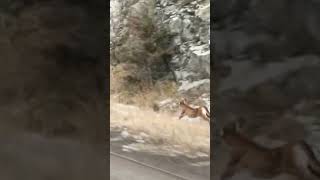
(193, 112)
(296, 159)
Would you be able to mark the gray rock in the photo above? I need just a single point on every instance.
(177, 40)
(195, 87)
(166, 105)
(175, 25)
(246, 75)
(204, 13)
(204, 35)
(187, 35)
(200, 59)
(125, 134)
(187, 75)
(188, 25)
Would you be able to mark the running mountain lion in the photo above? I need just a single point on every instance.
(296, 159)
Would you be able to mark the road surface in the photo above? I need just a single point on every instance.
(122, 169)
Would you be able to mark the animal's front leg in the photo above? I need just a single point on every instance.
(182, 114)
(230, 171)
(305, 174)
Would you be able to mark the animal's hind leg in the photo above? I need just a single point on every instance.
(233, 166)
(303, 172)
(205, 114)
(307, 174)
(302, 163)
(208, 119)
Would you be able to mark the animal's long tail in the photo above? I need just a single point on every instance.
(314, 164)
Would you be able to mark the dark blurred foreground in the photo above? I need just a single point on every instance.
(52, 86)
(267, 65)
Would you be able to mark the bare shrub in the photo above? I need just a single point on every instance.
(142, 47)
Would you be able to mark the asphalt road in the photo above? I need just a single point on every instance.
(122, 169)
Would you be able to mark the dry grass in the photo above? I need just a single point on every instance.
(128, 88)
(163, 129)
(147, 98)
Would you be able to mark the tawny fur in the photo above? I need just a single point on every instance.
(194, 112)
(296, 159)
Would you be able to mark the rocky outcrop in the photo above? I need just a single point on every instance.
(186, 27)
(180, 32)
(188, 23)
